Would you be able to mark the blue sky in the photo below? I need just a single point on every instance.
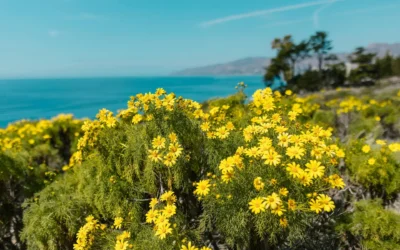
(57, 38)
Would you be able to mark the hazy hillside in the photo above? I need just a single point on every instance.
(256, 65)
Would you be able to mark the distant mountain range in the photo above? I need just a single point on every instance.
(257, 65)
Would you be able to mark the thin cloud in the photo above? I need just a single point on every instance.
(263, 12)
(53, 33)
(318, 11)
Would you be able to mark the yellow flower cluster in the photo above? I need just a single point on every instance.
(106, 118)
(214, 122)
(190, 246)
(381, 155)
(353, 103)
(161, 212)
(142, 106)
(322, 203)
(122, 243)
(25, 133)
(28, 134)
(85, 235)
(165, 151)
(91, 129)
(118, 222)
(301, 154)
(394, 147)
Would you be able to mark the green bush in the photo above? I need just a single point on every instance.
(371, 227)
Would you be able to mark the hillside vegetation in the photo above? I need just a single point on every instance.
(277, 171)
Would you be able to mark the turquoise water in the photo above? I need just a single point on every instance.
(45, 98)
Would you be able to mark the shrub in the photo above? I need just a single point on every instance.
(371, 227)
(31, 155)
(166, 174)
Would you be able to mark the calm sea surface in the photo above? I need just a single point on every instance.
(45, 98)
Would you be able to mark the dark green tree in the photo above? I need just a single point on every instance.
(288, 54)
(321, 46)
(366, 69)
(384, 66)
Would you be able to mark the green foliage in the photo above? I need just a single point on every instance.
(311, 80)
(326, 117)
(31, 155)
(381, 176)
(114, 173)
(371, 227)
(366, 70)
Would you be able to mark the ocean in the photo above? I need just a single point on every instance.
(83, 97)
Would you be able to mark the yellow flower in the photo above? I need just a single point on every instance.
(151, 216)
(283, 191)
(258, 184)
(222, 132)
(272, 201)
(294, 169)
(273, 182)
(226, 166)
(315, 206)
(31, 141)
(326, 202)
(295, 152)
(155, 156)
(305, 178)
(281, 129)
(288, 92)
(291, 204)
(169, 160)
(169, 211)
(252, 152)
(315, 169)
(340, 153)
(137, 118)
(118, 222)
(381, 142)
(366, 148)
(227, 176)
(173, 137)
(175, 149)
(160, 91)
(203, 188)
(377, 118)
(292, 115)
(257, 205)
(371, 161)
(205, 126)
(158, 142)
(336, 181)
(278, 210)
(271, 157)
(153, 202)
(283, 222)
(161, 219)
(189, 247)
(169, 197)
(283, 139)
(205, 248)
(163, 230)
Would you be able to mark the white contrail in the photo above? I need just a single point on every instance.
(263, 12)
(316, 13)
